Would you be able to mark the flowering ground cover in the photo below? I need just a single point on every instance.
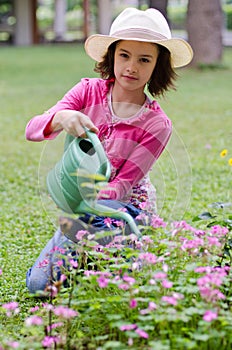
(169, 289)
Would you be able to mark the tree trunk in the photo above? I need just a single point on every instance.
(204, 27)
(160, 5)
(60, 27)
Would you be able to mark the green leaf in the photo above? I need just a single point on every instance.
(204, 216)
(113, 345)
(201, 337)
(220, 205)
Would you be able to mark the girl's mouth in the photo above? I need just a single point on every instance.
(129, 77)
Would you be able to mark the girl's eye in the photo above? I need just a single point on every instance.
(124, 55)
(145, 60)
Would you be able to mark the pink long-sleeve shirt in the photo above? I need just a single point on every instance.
(132, 145)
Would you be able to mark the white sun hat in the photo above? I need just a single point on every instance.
(147, 26)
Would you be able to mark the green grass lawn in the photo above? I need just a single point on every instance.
(189, 175)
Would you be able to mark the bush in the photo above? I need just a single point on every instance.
(228, 16)
(177, 16)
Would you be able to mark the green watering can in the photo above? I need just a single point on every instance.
(74, 180)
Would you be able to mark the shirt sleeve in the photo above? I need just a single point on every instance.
(138, 163)
(37, 128)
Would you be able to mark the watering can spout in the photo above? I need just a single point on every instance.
(73, 182)
(99, 209)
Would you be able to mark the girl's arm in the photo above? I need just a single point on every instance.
(65, 115)
(73, 122)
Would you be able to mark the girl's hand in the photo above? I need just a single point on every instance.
(73, 122)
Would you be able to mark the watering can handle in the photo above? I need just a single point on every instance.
(105, 165)
(99, 149)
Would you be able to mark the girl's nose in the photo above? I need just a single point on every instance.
(132, 67)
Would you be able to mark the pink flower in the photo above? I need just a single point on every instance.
(160, 275)
(59, 263)
(209, 316)
(34, 309)
(118, 239)
(152, 306)
(144, 311)
(64, 312)
(213, 241)
(133, 237)
(133, 303)
(143, 205)
(47, 306)
(54, 325)
(219, 230)
(119, 223)
(74, 263)
(199, 233)
(128, 327)
(129, 280)
(177, 296)
(148, 257)
(138, 245)
(169, 300)
(123, 286)
(167, 284)
(147, 240)
(63, 278)
(207, 284)
(12, 305)
(57, 249)
(102, 282)
(48, 342)
(80, 234)
(142, 333)
(62, 250)
(52, 290)
(108, 222)
(142, 216)
(156, 222)
(182, 225)
(34, 321)
(11, 308)
(43, 263)
(210, 294)
(203, 269)
(192, 244)
(0, 272)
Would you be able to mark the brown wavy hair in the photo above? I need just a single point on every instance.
(162, 78)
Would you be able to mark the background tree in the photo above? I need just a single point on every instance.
(204, 27)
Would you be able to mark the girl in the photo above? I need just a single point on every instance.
(138, 55)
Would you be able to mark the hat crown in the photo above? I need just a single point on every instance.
(138, 25)
(150, 20)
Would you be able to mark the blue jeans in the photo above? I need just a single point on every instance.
(45, 269)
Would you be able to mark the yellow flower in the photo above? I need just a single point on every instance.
(230, 161)
(223, 153)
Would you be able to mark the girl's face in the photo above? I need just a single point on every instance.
(134, 62)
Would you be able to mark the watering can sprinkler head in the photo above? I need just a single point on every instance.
(74, 180)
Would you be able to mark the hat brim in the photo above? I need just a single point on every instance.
(97, 45)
